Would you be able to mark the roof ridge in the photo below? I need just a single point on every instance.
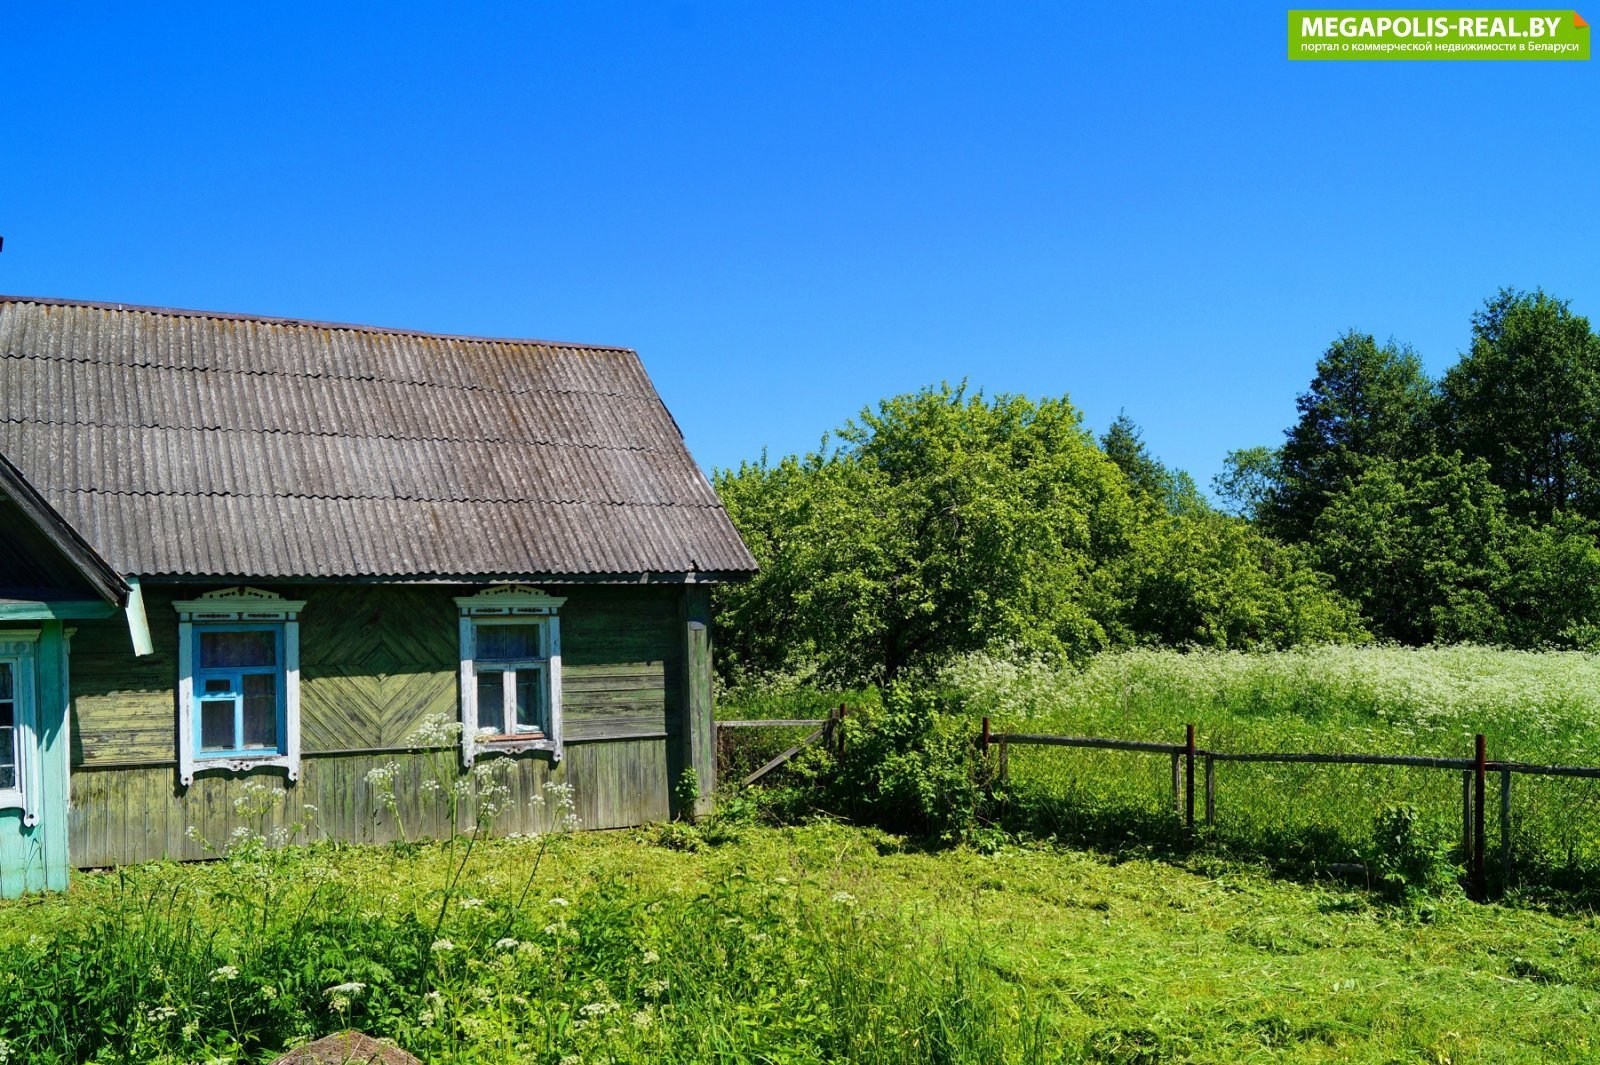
(305, 323)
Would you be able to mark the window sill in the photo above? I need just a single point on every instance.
(241, 763)
(516, 744)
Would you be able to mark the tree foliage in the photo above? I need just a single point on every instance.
(1368, 402)
(1525, 399)
(943, 522)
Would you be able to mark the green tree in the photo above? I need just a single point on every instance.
(1552, 595)
(1525, 399)
(1148, 477)
(1248, 480)
(1207, 579)
(942, 522)
(1367, 402)
(1420, 545)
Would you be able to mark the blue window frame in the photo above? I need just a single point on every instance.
(239, 691)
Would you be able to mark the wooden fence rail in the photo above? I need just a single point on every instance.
(1474, 779)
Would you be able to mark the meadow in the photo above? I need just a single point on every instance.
(817, 943)
(1539, 707)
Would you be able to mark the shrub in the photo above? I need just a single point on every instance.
(1411, 857)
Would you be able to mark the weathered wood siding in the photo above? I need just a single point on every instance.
(128, 815)
(375, 661)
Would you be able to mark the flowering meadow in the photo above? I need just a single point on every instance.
(1540, 707)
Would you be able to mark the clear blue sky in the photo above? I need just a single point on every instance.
(793, 210)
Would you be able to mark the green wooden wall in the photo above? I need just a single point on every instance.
(121, 816)
(375, 661)
(35, 858)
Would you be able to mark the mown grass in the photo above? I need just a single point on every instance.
(810, 944)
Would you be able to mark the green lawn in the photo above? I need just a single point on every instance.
(811, 944)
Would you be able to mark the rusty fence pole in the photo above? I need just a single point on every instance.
(842, 711)
(1188, 776)
(1480, 780)
(983, 741)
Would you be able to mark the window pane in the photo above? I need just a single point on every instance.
(261, 710)
(8, 732)
(216, 725)
(225, 650)
(508, 642)
(491, 701)
(529, 683)
(219, 686)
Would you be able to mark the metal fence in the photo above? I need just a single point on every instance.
(1483, 780)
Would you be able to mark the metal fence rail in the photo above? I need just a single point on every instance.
(1474, 772)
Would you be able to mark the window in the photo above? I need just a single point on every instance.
(18, 744)
(510, 672)
(238, 682)
(10, 775)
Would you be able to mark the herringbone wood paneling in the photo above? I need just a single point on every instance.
(374, 663)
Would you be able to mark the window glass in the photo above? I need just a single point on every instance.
(260, 710)
(227, 650)
(491, 701)
(216, 724)
(8, 731)
(529, 682)
(508, 642)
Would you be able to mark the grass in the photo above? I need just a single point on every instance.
(1533, 707)
(809, 944)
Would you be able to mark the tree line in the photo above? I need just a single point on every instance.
(1396, 507)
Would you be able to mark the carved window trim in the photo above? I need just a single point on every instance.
(234, 607)
(511, 604)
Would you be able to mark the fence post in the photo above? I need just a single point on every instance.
(1480, 779)
(1466, 820)
(1211, 790)
(1505, 830)
(1188, 776)
(840, 731)
(983, 741)
(1177, 785)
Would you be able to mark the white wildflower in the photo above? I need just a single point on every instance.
(440, 946)
(506, 944)
(225, 972)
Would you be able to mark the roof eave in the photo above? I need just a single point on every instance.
(94, 569)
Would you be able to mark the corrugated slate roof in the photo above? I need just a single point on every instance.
(186, 443)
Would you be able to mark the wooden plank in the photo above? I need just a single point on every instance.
(782, 758)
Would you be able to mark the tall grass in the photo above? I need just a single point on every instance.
(237, 960)
(1532, 706)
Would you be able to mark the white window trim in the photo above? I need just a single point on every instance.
(504, 604)
(19, 648)
(236, 606)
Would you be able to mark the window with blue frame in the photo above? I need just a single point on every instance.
(239, 690)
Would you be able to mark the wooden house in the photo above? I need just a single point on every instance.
(240, 549)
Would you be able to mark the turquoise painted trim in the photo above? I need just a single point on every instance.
(65, 610)
(138, 624)
(234, 676)
(34, 857)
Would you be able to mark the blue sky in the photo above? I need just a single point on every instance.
(793, 210)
